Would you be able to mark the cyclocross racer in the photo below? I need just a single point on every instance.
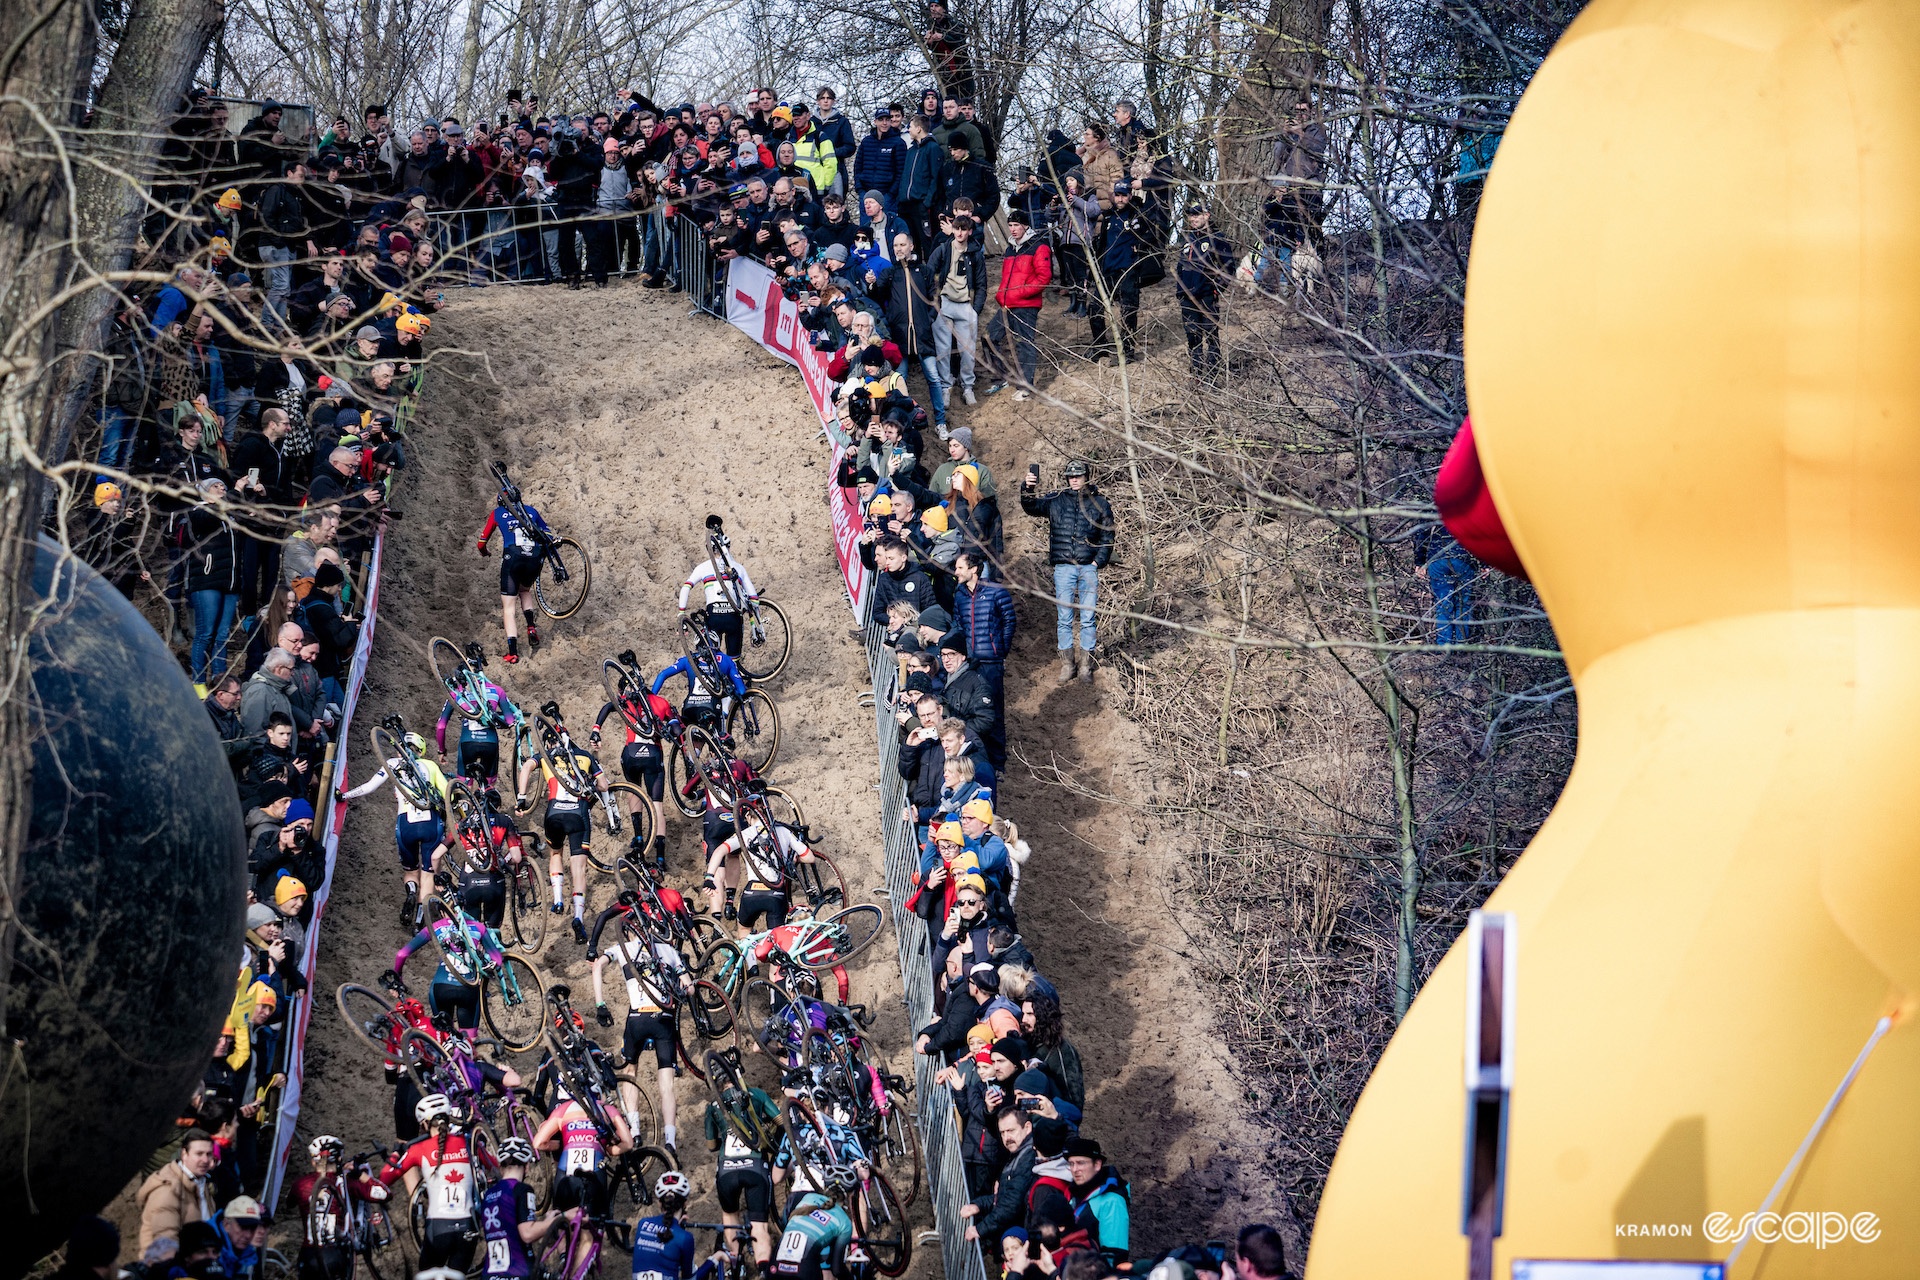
(479, 750)
(510, 1219)
(653, 998)
(766, 887)
(725, 589)
(520, 565)
(643, 762)
(569, 823)
(443, 1161)
(448, 993)
(415, 831)
(815, 1240)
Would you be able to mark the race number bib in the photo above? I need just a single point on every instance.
(793, 1247)
(581, 1159)
(736, 1147)
(499, 1257)
(450, 1196)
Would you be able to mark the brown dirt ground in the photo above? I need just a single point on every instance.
(626, 440)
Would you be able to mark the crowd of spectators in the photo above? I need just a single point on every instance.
(252, 411)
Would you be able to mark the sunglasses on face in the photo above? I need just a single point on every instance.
(969, 902)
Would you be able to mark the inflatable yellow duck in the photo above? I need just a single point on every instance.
(1693, 361)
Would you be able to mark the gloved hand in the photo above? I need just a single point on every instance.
(602, 1016)
(481, 547)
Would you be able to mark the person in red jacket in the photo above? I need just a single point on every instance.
(1024, 275)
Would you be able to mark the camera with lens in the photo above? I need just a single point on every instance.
(792, 288)
(860, 407)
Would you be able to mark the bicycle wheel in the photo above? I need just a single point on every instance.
(846, 936)
(564, 579)
(649, 1129)
(721, 963)
(765, 1007)
(785, 808)
(369, 1015)
(702, 935)
(620, 793)
(633, 1180)
(881, 1220)
(410, 782)
(818, 887)
(629, 698)
(526, 913)
(426, 1063)
(832, 1067)
(384, 1249)
(513, 1004)
(455, 944)
(729, 1086)
(687, 763)
(467, 827)
(900, 1144)
(703, 656)
(754, 726)
(564, 764)
(450, 672)
(769, 641)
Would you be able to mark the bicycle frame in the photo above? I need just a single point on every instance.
(579, 1249)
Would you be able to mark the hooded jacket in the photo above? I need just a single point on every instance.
(920, 171)
(1101, 1209)
(1025, 272)
(260, 697)
(908, 292)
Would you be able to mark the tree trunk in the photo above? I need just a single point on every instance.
(164, 41)
(469, 58)
(50, 48)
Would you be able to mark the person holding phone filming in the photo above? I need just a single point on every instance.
(1079, 544)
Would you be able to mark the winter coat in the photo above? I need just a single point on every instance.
(986, 615)
(973, 267)
(1206, 266)
(1007, 1206)
(971, 700)
(1103, 168)
(169, 1200)
(909, 294)
(1025, 273)
(921, 167)
(1079, 525)
(1101, 1209)
(877, 164)
(213, 554)
(921, 765)
(260, 697)
(233, 735)
(337, 637)
(973, 181)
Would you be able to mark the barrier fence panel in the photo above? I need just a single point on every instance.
(696, 267)
(939, 1122)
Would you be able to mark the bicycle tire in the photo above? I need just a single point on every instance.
(412, 786)
(766, 659)
(733, 964)
(629, 697)
(467, 967)
(820, 886)
(382, 1242)
(467, 816)
(518, 1025)
(762, 1004)
(563, 599)
(526, 912)
(564, 765)
(854, 919)
(649, 1129)
(785, 808)
(694, 751)
(881, 1221)
(359, 1021)
(754, 726)
(725, 1076)
(627, 790)
(633, 1189)
(423, 1059)
(702, 934)
(685, 1042)
(696, 642)
(450, 672)
(900, 1145)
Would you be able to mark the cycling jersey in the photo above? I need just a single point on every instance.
(735, 1154)
(515, 539)
(763, 868)
(804, 940)
(425, 770)
(706, 576)
(327, 1203)
(443, 929)
(497, 712)
(561, 796)
(581, 1149)
(806, 1247)
(662, 1250)
(507, 1205)
(661, 708)
(447, 1171)
(724, 672)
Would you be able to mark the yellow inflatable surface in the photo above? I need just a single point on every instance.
(1693, 363)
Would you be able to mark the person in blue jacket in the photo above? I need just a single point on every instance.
(706, 678)
(986, 615)
(1100, 1198)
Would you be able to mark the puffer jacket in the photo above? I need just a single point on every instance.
(1025, 273)
(1079, 525)
(213, 554)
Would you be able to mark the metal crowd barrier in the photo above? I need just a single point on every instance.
(694, 268)
(939, 1121)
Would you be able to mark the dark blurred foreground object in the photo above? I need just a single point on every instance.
(131, 910)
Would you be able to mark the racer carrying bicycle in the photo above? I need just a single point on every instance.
(510, 1218)
(325, 1197)
(479, 743)
(570, 1129)
(819, 1167)
(476, 1078)
(480, 862)
(441, 1160)
(448, 994)
(656, 979)
(724, 781)
(417, 829)
(726, 588)
(643, 762)
(520, 565)
(764, 862)
(815, 1242)
(741, 1178)
(662, 1248)
(704, 675)
(569, 818)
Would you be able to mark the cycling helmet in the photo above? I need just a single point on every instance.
(811, 1201)
(516, 1151)
(326, 1145)
(672, 1186)
(440, 1273)
(842, 1179)
(492, 796)
(434, 1106)
(417, 742)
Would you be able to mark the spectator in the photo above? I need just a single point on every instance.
(1100, 1198)
(1449, 572)
(223, 708)
(877, 162)
(960, 453)
(1299, 160)
(1206, 267)
(93, 1246)
(266, 693)
(1079, 543)
(970, 697)
(178, 1194)
(1025, 271)
(959, 272)
(923, 167)
(1101, 164)
(987, 619)
(1127, 243)
(966, 178)
(911, 297)
(1261, 1254)
(994, 1214)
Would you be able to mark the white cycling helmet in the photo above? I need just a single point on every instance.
(672, 1184)
(433, 1107)
(326, 1145)
(516, 1151)
(417, 742)
(440, 1273)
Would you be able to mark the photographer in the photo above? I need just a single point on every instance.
(574, 173)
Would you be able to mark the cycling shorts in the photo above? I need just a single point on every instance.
(459, 998)
(417, 840)
(570, 827)
(643, 765)
(518, 573)
(754, 902)
(656, 1029)
(591, 1190)
(704, 712)
(484, 894)
(726, 624)
(717, 830)
(750, 1185)
(449, 1243)
(479, 760)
